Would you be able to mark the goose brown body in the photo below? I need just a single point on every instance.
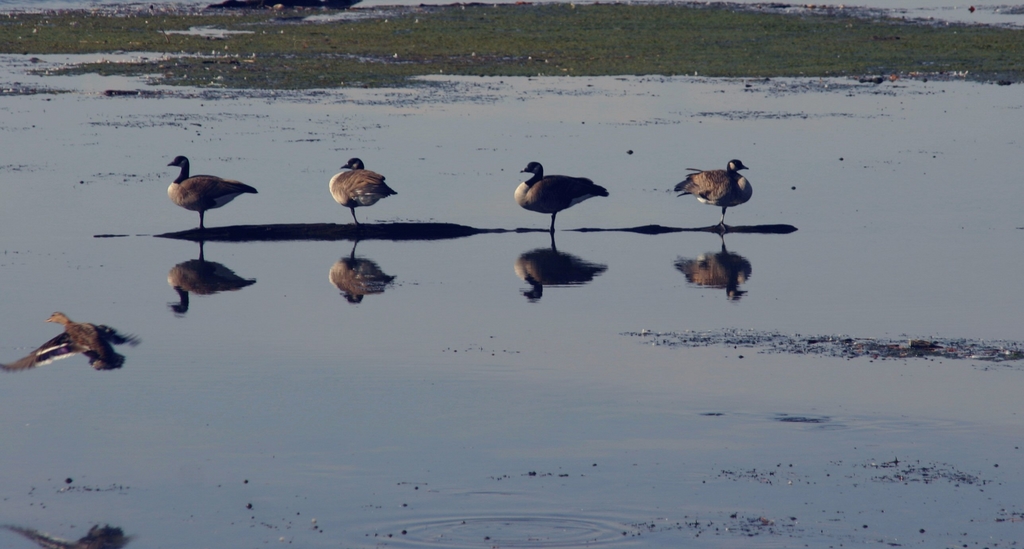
(92, 340)
(203, 192)
(725, 188)
(554, 193)
(358, 187)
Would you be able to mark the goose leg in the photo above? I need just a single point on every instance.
(201, 213)
(552, 229)
(721, 222)
(353, 210)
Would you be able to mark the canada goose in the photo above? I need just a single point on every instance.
(203, 192)
(357, 277)
(550, 267)
(202, 277)
(358, 187)
(92, 340)
(723, 188)
(724, 270)
(554, 193)
(107, 537)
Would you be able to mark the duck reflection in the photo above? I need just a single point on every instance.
(107, 537)
(92, 340)
(550, 267)
(357, 277)
(202, 277)
(722, 270)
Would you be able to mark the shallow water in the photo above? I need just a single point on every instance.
(457, 403)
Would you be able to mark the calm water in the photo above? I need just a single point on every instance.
(452, 406)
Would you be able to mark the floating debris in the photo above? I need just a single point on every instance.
(841, 346)
(915, 471)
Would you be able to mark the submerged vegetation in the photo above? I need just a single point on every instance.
(387, 46)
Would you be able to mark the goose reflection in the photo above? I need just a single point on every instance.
(723, 270)
(107, 537)
(202, 277)
(357, 277)
(550, 267)
(95, 341)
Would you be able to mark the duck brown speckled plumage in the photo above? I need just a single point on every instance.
(92, 340)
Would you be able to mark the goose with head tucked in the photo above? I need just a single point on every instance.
(725, 188)
(358, 187)
(203, 192)
(554, 193)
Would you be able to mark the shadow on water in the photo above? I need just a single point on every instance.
(722, 270)
(550, 267)
(414, 231)
(95, 341)
(106, 537)
(357, 277)
(202, 277)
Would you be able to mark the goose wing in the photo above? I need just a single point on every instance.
(558, 192)
(209, 189)
(362, 186)
(710, 185)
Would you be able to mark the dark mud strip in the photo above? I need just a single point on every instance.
(661, 229)
(411, 231)
(841, 346)
(333, 231)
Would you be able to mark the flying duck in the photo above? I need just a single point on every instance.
(358, 187)
(723, 188)
(554, 193)
(107, 537)
(92, 340)
(203, 192)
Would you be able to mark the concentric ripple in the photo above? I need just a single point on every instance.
(508, 531)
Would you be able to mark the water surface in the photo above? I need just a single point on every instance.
(456, 403)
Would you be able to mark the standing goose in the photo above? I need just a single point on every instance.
(92, 340)
(358, 187)
(554, 193)
(203, 192)
(723, 188)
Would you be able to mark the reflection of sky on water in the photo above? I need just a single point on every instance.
(451, 382)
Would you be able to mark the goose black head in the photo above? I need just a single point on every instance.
(736, 165)
(353, 164)
(179, 161)
(534, 168)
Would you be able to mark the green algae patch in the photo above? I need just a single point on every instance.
(390, 46)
